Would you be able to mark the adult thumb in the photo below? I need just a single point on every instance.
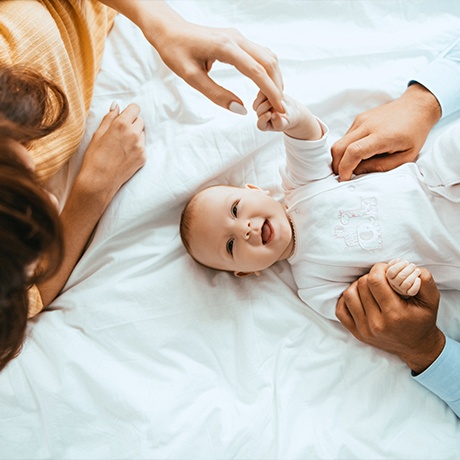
(428, 295)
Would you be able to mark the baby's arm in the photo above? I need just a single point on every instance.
(297, 122)
(403, 277)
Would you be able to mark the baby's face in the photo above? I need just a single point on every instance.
(239, 229)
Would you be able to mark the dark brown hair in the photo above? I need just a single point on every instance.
(30, 108)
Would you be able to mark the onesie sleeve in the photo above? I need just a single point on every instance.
(443, 376)
(306, 161)
(442, 78)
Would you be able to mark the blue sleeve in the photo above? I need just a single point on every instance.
(443, 376)
(442, 78)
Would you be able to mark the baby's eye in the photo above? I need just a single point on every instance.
(235, 209)
(230, 247)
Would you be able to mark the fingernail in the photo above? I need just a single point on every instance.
(236, 107)
(113, 106)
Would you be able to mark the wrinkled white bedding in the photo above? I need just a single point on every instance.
(146, 355)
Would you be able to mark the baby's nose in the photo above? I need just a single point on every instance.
(246, 229)
(249, 230)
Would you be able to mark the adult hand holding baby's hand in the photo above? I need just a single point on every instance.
(376, 315)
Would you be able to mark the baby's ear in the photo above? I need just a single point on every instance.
(254, 187)
(243, 274)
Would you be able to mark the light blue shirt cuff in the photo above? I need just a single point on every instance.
(442, 78)
(443, 376)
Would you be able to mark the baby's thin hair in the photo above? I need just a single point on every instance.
(186, 222)
(186, 219)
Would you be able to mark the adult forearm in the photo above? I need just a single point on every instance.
(153, 17)
(116, 152)
(79, 218)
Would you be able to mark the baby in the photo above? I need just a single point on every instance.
(330, 232)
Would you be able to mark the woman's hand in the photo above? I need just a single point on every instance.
(115, 153)
(190, 50)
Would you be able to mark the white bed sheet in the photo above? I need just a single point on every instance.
(146, 355)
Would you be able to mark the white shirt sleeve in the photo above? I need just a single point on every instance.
(306, 160)
(442, 78)
(443, 376)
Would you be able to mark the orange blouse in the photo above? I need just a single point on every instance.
(64, 41)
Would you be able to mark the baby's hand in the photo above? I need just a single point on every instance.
(268, 119)
(297, 121)
(403, 277)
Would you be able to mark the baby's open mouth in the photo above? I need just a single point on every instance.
(267, 232)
